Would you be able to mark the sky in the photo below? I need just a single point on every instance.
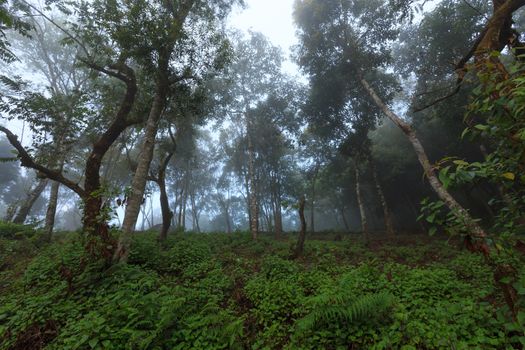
(274, 19)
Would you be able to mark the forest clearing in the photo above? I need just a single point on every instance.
(248, 174)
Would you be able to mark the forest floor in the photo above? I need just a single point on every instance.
(225, 291)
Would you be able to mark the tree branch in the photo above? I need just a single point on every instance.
(27, 161)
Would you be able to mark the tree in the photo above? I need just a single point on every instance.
(254, 74)
(171, 42)
(353, 38)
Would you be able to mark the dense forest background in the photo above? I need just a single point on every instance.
(405, 122)
(230, 103)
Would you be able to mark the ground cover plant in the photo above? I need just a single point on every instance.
(224, 291)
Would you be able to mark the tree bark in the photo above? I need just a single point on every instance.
(254, 206)
(278, 217)
(299, 248)
(312, 210)
(94, 224)
(458, 211)
(360, 203)
(51, 210)
(167, 214)
(31, 198)
(138, 183)
(387, 216)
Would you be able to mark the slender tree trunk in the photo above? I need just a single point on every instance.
(360, 203)
(299, 248)
(278, 220)
(51, 209)
(11, 211)
(312, 210)
(387, 216)
(138, 184)
(194, 213)
(471, 225)
(224, 204)
(179, 215)
(184, 203)
(253, 203)
(31, 198)
(228, 221)
(345, 222)
(167, 214)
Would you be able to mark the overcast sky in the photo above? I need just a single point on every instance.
(273, 18)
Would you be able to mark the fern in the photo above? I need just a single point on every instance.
(336, 309)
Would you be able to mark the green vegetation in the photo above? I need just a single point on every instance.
(225, 291)
(398, 156)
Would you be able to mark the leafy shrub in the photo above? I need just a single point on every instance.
(10, 230)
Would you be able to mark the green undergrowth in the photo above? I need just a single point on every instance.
(218, 291)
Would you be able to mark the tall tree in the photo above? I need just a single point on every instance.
(185, 42)
(254, 73)
(353, 37)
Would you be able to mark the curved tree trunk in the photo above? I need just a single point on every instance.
(471, 225)
(167, 214)
(389, 226)
(31, 198)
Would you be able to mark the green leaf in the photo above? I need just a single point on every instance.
(460, 162)
(443, 176)
(93, 343)
(509, 176)
(481, 127)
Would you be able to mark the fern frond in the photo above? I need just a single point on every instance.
(364, 308)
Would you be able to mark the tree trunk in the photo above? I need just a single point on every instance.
(360, 203)
(167, 214)
(11, 211)
(179, 216)
(345, 222)
(312, 211)
(254, 207)
(51, 209)
(299, 248)
(278, 220)
(184, 203)
(470, 224)
(31, 198)
(138, 184)
(194, 214)
(387, 216)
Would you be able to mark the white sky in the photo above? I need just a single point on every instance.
(274, 19)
